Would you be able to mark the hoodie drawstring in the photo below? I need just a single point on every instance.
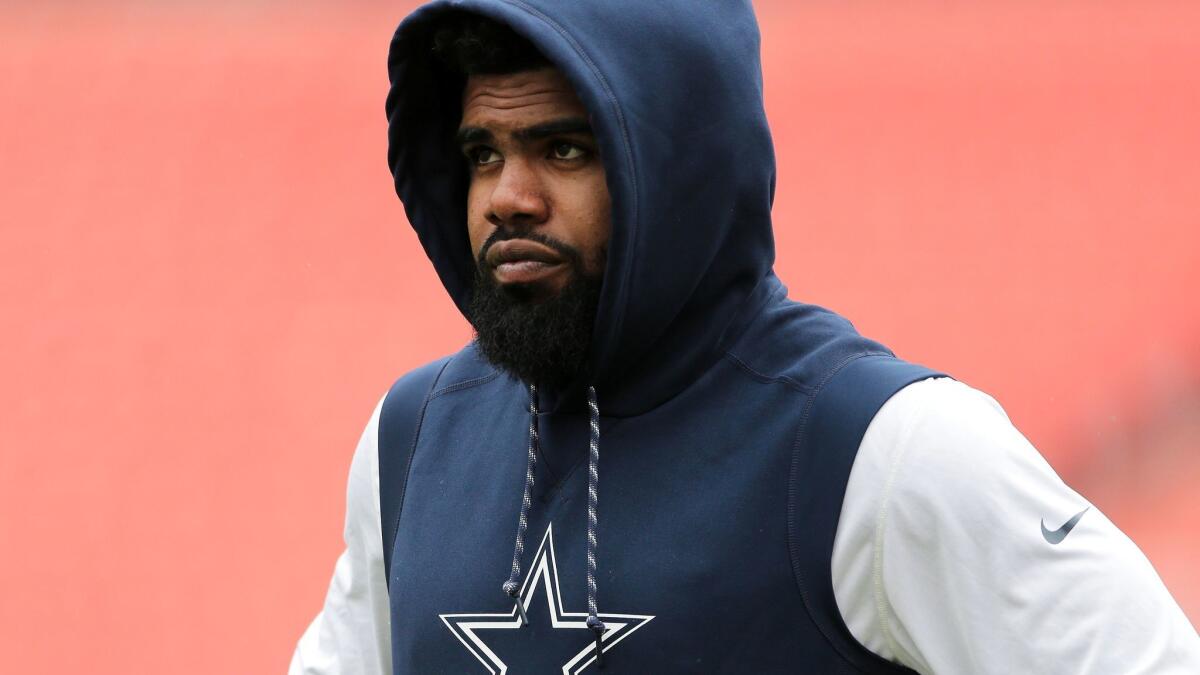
(593, 620)
(511, 587)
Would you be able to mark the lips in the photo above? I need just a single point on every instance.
(522, 261)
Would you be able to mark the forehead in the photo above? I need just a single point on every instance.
(517, 99)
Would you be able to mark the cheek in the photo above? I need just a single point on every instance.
(478, 227)
(604, 210)
(599, 213)
(584, 216)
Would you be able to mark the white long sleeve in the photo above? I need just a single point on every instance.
(351, 635)
(940, 561)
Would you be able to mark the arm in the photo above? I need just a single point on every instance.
(941, 564)
(351, 633)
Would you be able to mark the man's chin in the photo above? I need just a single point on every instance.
(533, 293)
(538, 332)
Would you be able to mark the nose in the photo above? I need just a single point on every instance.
(518, 197)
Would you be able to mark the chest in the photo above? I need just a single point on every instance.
(693, 571)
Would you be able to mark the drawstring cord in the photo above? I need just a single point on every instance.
(511, 586)
(593, 620)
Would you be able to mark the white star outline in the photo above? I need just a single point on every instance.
(617, 627)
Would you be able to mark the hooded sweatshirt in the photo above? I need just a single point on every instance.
(703, 373)
(676, 508)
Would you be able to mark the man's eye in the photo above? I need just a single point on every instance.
(568, 151)
(484, 156)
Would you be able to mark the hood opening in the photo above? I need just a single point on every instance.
(674, 92)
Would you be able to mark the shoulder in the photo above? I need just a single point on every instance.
(800, 345)
(403, 407)
(941, 465)
(948, 425)
(462, 369)
(408, 404)
(946, 441)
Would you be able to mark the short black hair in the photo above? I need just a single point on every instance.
(470, 44)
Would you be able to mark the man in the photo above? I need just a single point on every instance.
(593, 181)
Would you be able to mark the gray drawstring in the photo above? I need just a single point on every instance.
(593, 620)
(511, 586)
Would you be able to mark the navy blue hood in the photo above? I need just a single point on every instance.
(674, 90)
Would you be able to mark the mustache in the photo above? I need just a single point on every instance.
(569, 253)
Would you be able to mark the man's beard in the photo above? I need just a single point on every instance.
(539, 341)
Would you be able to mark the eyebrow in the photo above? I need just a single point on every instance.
(566, 125)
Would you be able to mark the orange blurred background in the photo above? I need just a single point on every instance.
(206, 281)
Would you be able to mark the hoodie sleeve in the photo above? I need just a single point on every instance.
(959, 550)
(351, 634)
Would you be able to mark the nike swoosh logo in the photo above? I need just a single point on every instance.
(1061, 533)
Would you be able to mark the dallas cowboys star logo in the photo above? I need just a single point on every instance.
(542, 573)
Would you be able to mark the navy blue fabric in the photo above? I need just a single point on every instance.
(718, 511)
(730, 415)
(399, 422)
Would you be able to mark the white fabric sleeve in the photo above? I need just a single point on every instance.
(940, 562)
(352, 633)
